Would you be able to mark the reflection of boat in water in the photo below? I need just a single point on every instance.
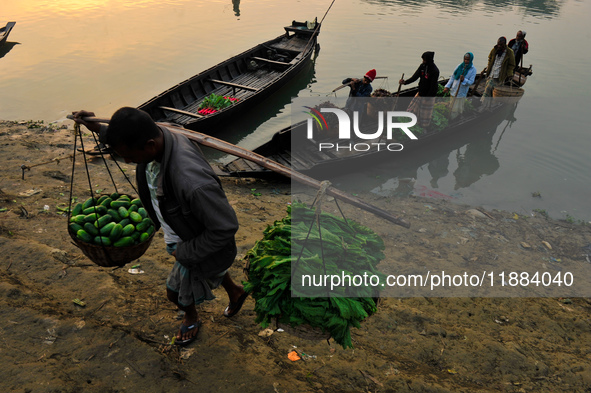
(292, 147)
(474, 159)
(249, 78)
(4, 31)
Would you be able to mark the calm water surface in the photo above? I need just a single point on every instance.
(64, 55)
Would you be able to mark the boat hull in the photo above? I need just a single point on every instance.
(5, 31)
(250, 77)
(290, 146)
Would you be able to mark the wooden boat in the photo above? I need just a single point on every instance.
(4, 31)
(307, 158)
(249, 77)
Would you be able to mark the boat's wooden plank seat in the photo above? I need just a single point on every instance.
(270, 61)
(234, 85)
(295, 44)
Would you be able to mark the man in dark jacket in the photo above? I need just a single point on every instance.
(501, 65)
(428, 75)
(180, 191)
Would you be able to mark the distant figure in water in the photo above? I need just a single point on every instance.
(236, 8)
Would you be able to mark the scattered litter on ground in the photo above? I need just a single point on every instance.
(293, 356)
(266, 332)
(30, 192)
(79, 302)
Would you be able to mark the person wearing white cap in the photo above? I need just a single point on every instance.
(519, 45)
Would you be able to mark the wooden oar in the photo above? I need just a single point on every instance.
(181, 112)
(229, 148)
(478, 81)
(520, 69)
(399, 86)
(398, 93)
(340, 87)
(349, 84)
(453, 100)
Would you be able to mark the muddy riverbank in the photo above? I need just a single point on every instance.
(117, 341)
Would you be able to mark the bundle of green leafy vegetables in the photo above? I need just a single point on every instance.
(295, 243)
(213, 101)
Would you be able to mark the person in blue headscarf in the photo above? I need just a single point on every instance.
(462, 78)
(459, 83)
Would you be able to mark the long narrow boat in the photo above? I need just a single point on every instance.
(248, 78)
(4, 31)
(307, 158)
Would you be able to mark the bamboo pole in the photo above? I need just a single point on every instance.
(182, 112)
(229, 148)
(478, 81)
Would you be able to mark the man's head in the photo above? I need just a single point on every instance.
(134, 135)
(520, 35)
(501, 43)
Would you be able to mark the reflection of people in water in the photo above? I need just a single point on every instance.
(438, 168)
(236, 4)
(478, 160)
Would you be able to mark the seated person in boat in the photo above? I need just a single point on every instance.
(427, 74)
(459, 83)
(501, 65)
(519, 45)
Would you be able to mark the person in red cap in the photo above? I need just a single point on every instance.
(359, 88)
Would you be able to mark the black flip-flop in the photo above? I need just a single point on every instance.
(235, 307)
(184, 329)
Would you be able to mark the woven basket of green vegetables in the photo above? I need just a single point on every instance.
(296, 243)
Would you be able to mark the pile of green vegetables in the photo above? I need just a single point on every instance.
(216, 102)
(111, 220)
(340, 247)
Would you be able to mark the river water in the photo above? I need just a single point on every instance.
(65, 55)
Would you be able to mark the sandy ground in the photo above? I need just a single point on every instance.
(117, 342)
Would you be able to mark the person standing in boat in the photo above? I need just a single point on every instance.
(519, 46)
(359, 88)
(501, 65)
(422, 103)
(459, 83)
